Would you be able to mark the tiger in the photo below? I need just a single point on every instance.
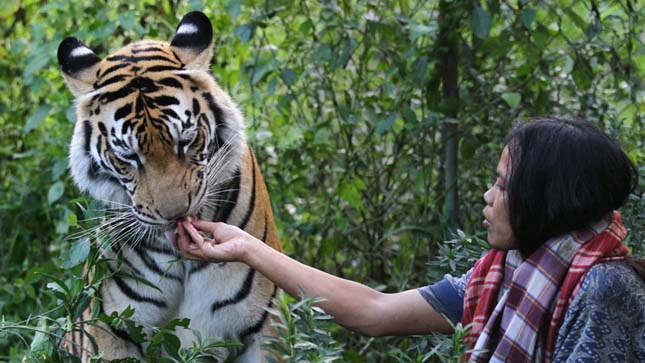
(158, 140)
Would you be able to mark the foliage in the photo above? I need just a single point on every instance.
(346, 109)
(302, 336)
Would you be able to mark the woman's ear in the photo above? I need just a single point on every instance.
(193, 41)
(78, 64)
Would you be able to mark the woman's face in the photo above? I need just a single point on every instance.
(500, 235)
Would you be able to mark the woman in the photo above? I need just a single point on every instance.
(555, 285)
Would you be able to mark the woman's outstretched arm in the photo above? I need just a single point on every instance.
(353, 305)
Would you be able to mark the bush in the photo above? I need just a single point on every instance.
(349, 106)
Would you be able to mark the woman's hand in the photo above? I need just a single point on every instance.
(228, 243)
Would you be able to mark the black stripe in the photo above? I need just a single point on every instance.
(165, 101)
(241, 294)
(127, 291)
(219, 117)
(155, 57)
(158, 248)
(251, 207)
(255, 328)
(170, 113)
(248, 281)
(135, 59)
(131, 266)
(266, 228)
(171, 82)
(120, 93)
(225, 210)
(200, 266)
(123, 111)
(162, 68)
(113, 68)
(144, 84)
(196, 108)
(87, 134)
(117, 78)
(152, 266)
(94, 171)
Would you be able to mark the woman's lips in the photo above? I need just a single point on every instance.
(486, 223)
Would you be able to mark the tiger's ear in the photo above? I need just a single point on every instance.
(193, 41)
(79, 64)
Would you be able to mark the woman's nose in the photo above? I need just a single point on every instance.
(488, 196)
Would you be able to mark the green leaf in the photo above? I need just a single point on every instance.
(71, 114)
(261, 71)
(527, 17)
(59, 168)
(245, 32)
(41, 342)
(173, 324)
(351, 192)
(36, 118)
(76, 255)
(35, 64)
(419, 30)
(321, 136)
(233, 9)
(322, 53)
(582, 73)
(171, 345)
(55, 192)
(480, 22)
(512, 99)
(386, 124)
(288, 76)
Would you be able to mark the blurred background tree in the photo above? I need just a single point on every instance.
(377, 123)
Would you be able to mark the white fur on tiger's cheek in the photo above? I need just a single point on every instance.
(187, 29)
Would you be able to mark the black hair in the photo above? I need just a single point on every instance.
(564, 175)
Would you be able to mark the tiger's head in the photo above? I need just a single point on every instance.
(155, 132)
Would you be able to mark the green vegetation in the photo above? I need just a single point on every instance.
(377, 123)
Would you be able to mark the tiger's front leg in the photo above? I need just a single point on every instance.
(153, 307)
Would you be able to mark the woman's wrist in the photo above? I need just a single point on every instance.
(250, 247)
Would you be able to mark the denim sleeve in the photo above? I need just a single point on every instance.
(447, 295)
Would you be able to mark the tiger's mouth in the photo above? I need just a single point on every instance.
(171, 233)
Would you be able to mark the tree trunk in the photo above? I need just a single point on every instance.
(448, 51)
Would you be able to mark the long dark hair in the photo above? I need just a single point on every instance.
(564, 175)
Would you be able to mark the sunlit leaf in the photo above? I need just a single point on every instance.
(512, 99)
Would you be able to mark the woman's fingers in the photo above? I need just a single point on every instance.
(220, 231)
(227, 244)
(193, 233)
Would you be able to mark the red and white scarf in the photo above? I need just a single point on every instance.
(514, 325)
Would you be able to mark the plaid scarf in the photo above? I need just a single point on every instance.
(514, 327)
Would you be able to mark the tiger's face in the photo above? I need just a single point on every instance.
(155, 132)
